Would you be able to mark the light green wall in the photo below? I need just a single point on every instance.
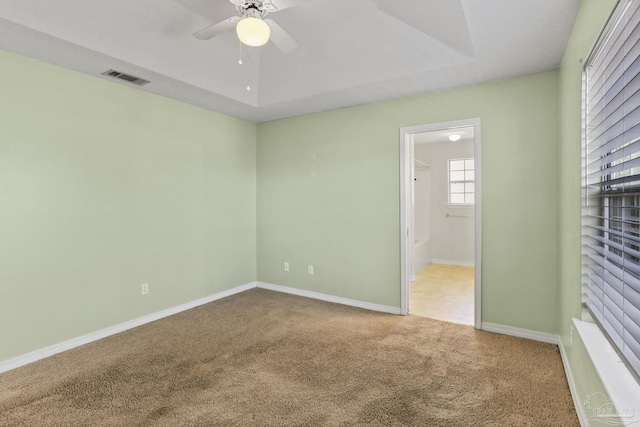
(329, 195)
(591, 19)
(103, 188)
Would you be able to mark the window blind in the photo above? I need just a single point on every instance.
(611, 164)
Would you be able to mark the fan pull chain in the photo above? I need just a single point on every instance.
(248, 70)
(240, 62)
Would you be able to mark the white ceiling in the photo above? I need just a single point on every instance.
(350, 51)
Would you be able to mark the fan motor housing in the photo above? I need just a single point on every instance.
(254, 8)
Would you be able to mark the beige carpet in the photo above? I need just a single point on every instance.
(270, 359)
(443, 292)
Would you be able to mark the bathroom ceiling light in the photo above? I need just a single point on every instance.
(455, 137)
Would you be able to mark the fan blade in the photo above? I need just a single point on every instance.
(276, 5)
(219, 28)
(281, 38)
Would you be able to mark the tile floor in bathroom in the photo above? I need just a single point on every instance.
(443, 292)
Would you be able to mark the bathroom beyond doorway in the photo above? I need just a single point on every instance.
(411, 234)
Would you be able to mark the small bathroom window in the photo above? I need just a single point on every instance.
(461, 182)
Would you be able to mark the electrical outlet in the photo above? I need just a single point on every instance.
(286, 266)
(310, 269)
(145, 288)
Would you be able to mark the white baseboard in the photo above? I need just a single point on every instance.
(42, 353)
(452, 262)
(521, 333)
(329, 298)
(577, 403)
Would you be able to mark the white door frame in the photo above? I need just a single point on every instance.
(406, 161)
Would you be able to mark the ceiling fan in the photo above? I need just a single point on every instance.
(251, 27)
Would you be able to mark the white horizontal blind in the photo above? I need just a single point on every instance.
(611, 214)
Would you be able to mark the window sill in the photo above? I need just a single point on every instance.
(622, 387)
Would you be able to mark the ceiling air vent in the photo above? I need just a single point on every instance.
(127, 77)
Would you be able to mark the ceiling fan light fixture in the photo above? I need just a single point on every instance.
(253, 31)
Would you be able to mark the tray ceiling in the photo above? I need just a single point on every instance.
(350, 52)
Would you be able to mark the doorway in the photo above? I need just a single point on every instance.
(441, 205)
